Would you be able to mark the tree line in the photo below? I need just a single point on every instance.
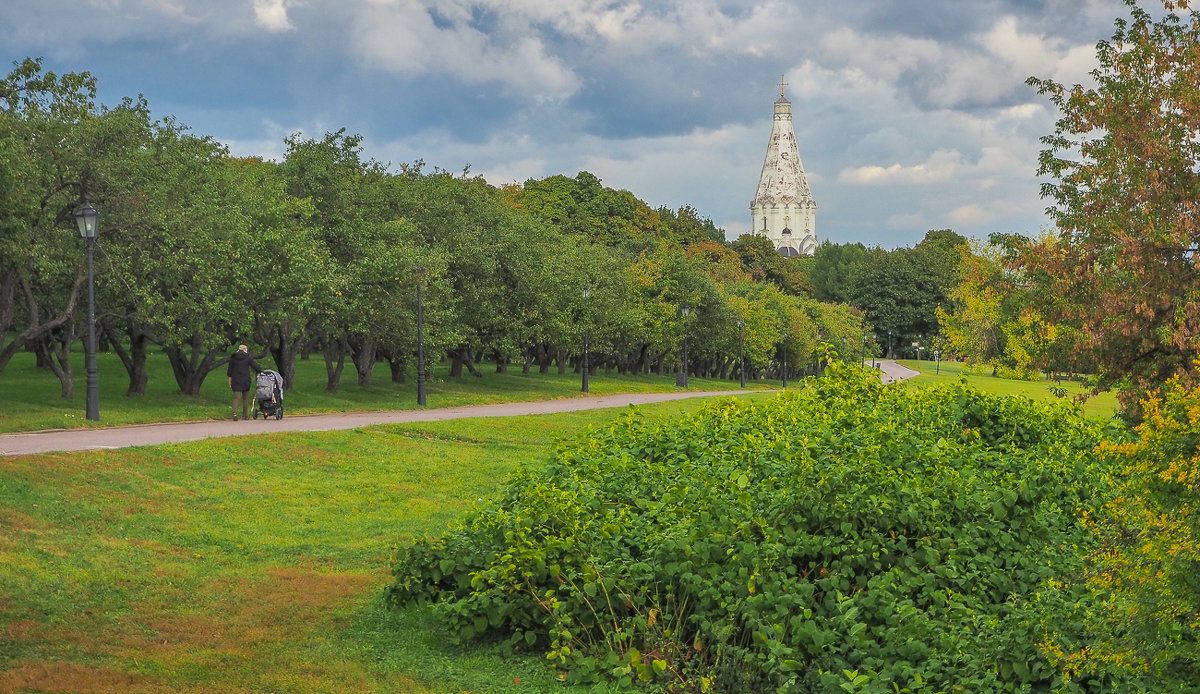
(320, 254)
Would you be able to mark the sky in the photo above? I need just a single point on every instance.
(910, 115)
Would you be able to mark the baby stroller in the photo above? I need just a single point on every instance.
(268, 395)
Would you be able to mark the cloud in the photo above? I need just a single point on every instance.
(272, 15)
(406, 37)
(942, 165)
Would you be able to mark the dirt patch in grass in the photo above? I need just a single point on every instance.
(260, 632)
(65, 677)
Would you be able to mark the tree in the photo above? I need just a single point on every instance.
(583, 206)
(900, 291)
(685, 226)
(1125, 164)
(48, 132)
(833, 264)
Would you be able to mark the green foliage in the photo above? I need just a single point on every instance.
(849, 536)
(832, 266)
(1148, 569)
(900, 291)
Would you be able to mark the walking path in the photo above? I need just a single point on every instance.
(153, 434)
(892, 371)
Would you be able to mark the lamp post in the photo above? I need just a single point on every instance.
(741, 350)
(864, 349)
(419, 274)
(681, 377)
(586, 292)
(88, 220)
(937, 356)
(889, 352)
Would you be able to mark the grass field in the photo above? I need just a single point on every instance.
(257, 563)
(250, 564)
(30, 398)
(932, 373)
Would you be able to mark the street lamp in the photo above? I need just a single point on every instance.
(419, 275)
(937, 356)
(586, 292)
(88, 220)
(741, 351)
(681, 377)
(889, 351)
(864, 350)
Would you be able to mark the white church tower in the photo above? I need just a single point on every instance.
(783, 208)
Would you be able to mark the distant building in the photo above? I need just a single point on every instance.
(783, 209)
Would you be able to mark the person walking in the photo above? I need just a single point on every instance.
(240, 364)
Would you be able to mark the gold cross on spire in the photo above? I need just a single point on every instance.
(782, 84)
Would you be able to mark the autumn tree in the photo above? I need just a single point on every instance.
(1125, 164)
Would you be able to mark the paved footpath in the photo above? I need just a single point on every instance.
(153, 434)
(892, 371)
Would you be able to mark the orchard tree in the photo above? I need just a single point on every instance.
(1125, 164)
(50, 134)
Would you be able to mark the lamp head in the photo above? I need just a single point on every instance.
(88, 219)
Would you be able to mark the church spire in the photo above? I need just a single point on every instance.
(783, 208)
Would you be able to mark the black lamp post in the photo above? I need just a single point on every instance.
(937, 356)
(889, 352)
(586, 292)
(741, 351)
(864, 350)
(681, 377)
(419, 274)
(88, 220)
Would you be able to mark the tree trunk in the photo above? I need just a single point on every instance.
(364, 360)
(54, 350)
(501, 365)
(35, 329)
(335, 361)
(191, 363)
(560, 355)
(461, 357)
(543, 357)
(285, 341)
(399, 367)
(133, 359)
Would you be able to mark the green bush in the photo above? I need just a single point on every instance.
(844, 537)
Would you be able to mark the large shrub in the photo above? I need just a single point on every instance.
(842, 537)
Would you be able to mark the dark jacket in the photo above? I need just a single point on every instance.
(239, 370)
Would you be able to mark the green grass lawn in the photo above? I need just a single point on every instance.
(30, 398)
(251, 564)
(932, 373)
